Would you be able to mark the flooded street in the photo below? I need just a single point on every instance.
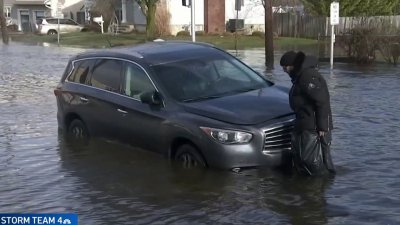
(110, 183)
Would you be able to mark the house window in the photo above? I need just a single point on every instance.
(7, 11)
(39, 14)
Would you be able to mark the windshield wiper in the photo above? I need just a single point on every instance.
(250, 89)
(201, 98)
(221, 95)
(244, 90)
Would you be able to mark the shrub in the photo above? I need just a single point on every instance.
(200, 33)
(12, 28)
(92, 27)
(364, 44)
(258, 34)
(360, 43)
(183, 33)
(389, 44)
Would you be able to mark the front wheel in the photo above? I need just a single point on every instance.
(188, 157)
(77, 131)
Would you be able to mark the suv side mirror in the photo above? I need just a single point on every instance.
(151, 97)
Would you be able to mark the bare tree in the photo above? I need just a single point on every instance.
(149, 8)
(3, 24)
(106, 8)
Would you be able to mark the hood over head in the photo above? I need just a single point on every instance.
(302, 62)
(288, 58)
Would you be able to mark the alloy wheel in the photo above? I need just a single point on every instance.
(78, 132)
(188, 160)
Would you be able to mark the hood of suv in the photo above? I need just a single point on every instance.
(245, 108)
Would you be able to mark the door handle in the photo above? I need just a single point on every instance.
(84, 99)
(122, 111)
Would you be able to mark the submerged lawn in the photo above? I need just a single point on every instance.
(97, 40)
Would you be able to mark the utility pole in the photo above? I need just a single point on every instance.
(191, 4)
(193, 16)
(4, 33)
(238, 7)
(269, 37)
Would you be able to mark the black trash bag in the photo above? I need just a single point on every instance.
(308, 156)
(326, 152)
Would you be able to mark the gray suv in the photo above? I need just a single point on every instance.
(190, 102)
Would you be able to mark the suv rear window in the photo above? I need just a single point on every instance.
(52, 21)
(81, 71)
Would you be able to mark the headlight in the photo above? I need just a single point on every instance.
(228, 136)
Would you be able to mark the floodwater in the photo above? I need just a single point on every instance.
(111, 183)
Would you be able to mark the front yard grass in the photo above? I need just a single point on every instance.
(98, 40)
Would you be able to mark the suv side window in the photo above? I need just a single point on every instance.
(63, 21)
(107, 75)
(70, 22)
(81, 71)
(67, 22)
(136, 81)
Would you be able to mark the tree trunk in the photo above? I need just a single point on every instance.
(3, 24)
(269, 41)
(150, 21)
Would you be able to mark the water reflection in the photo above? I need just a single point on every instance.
(147, 188)
(303, 197)
(135, 184)
(300, 200)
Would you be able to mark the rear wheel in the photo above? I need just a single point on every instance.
(188, 157)
(51, 32)
(77, 131)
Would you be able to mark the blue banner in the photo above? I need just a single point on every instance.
(39, 219)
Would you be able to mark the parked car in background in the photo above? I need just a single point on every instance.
(50, 26)
(191, 102)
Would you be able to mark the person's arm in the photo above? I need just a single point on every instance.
(314, 86)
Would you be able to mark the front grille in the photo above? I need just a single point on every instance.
(278, 138)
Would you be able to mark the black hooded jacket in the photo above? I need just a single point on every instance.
(309, 96)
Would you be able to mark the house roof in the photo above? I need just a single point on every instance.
(29, 2)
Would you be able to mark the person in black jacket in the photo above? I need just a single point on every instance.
(309, 99)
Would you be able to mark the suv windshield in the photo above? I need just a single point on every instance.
(207, 77)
